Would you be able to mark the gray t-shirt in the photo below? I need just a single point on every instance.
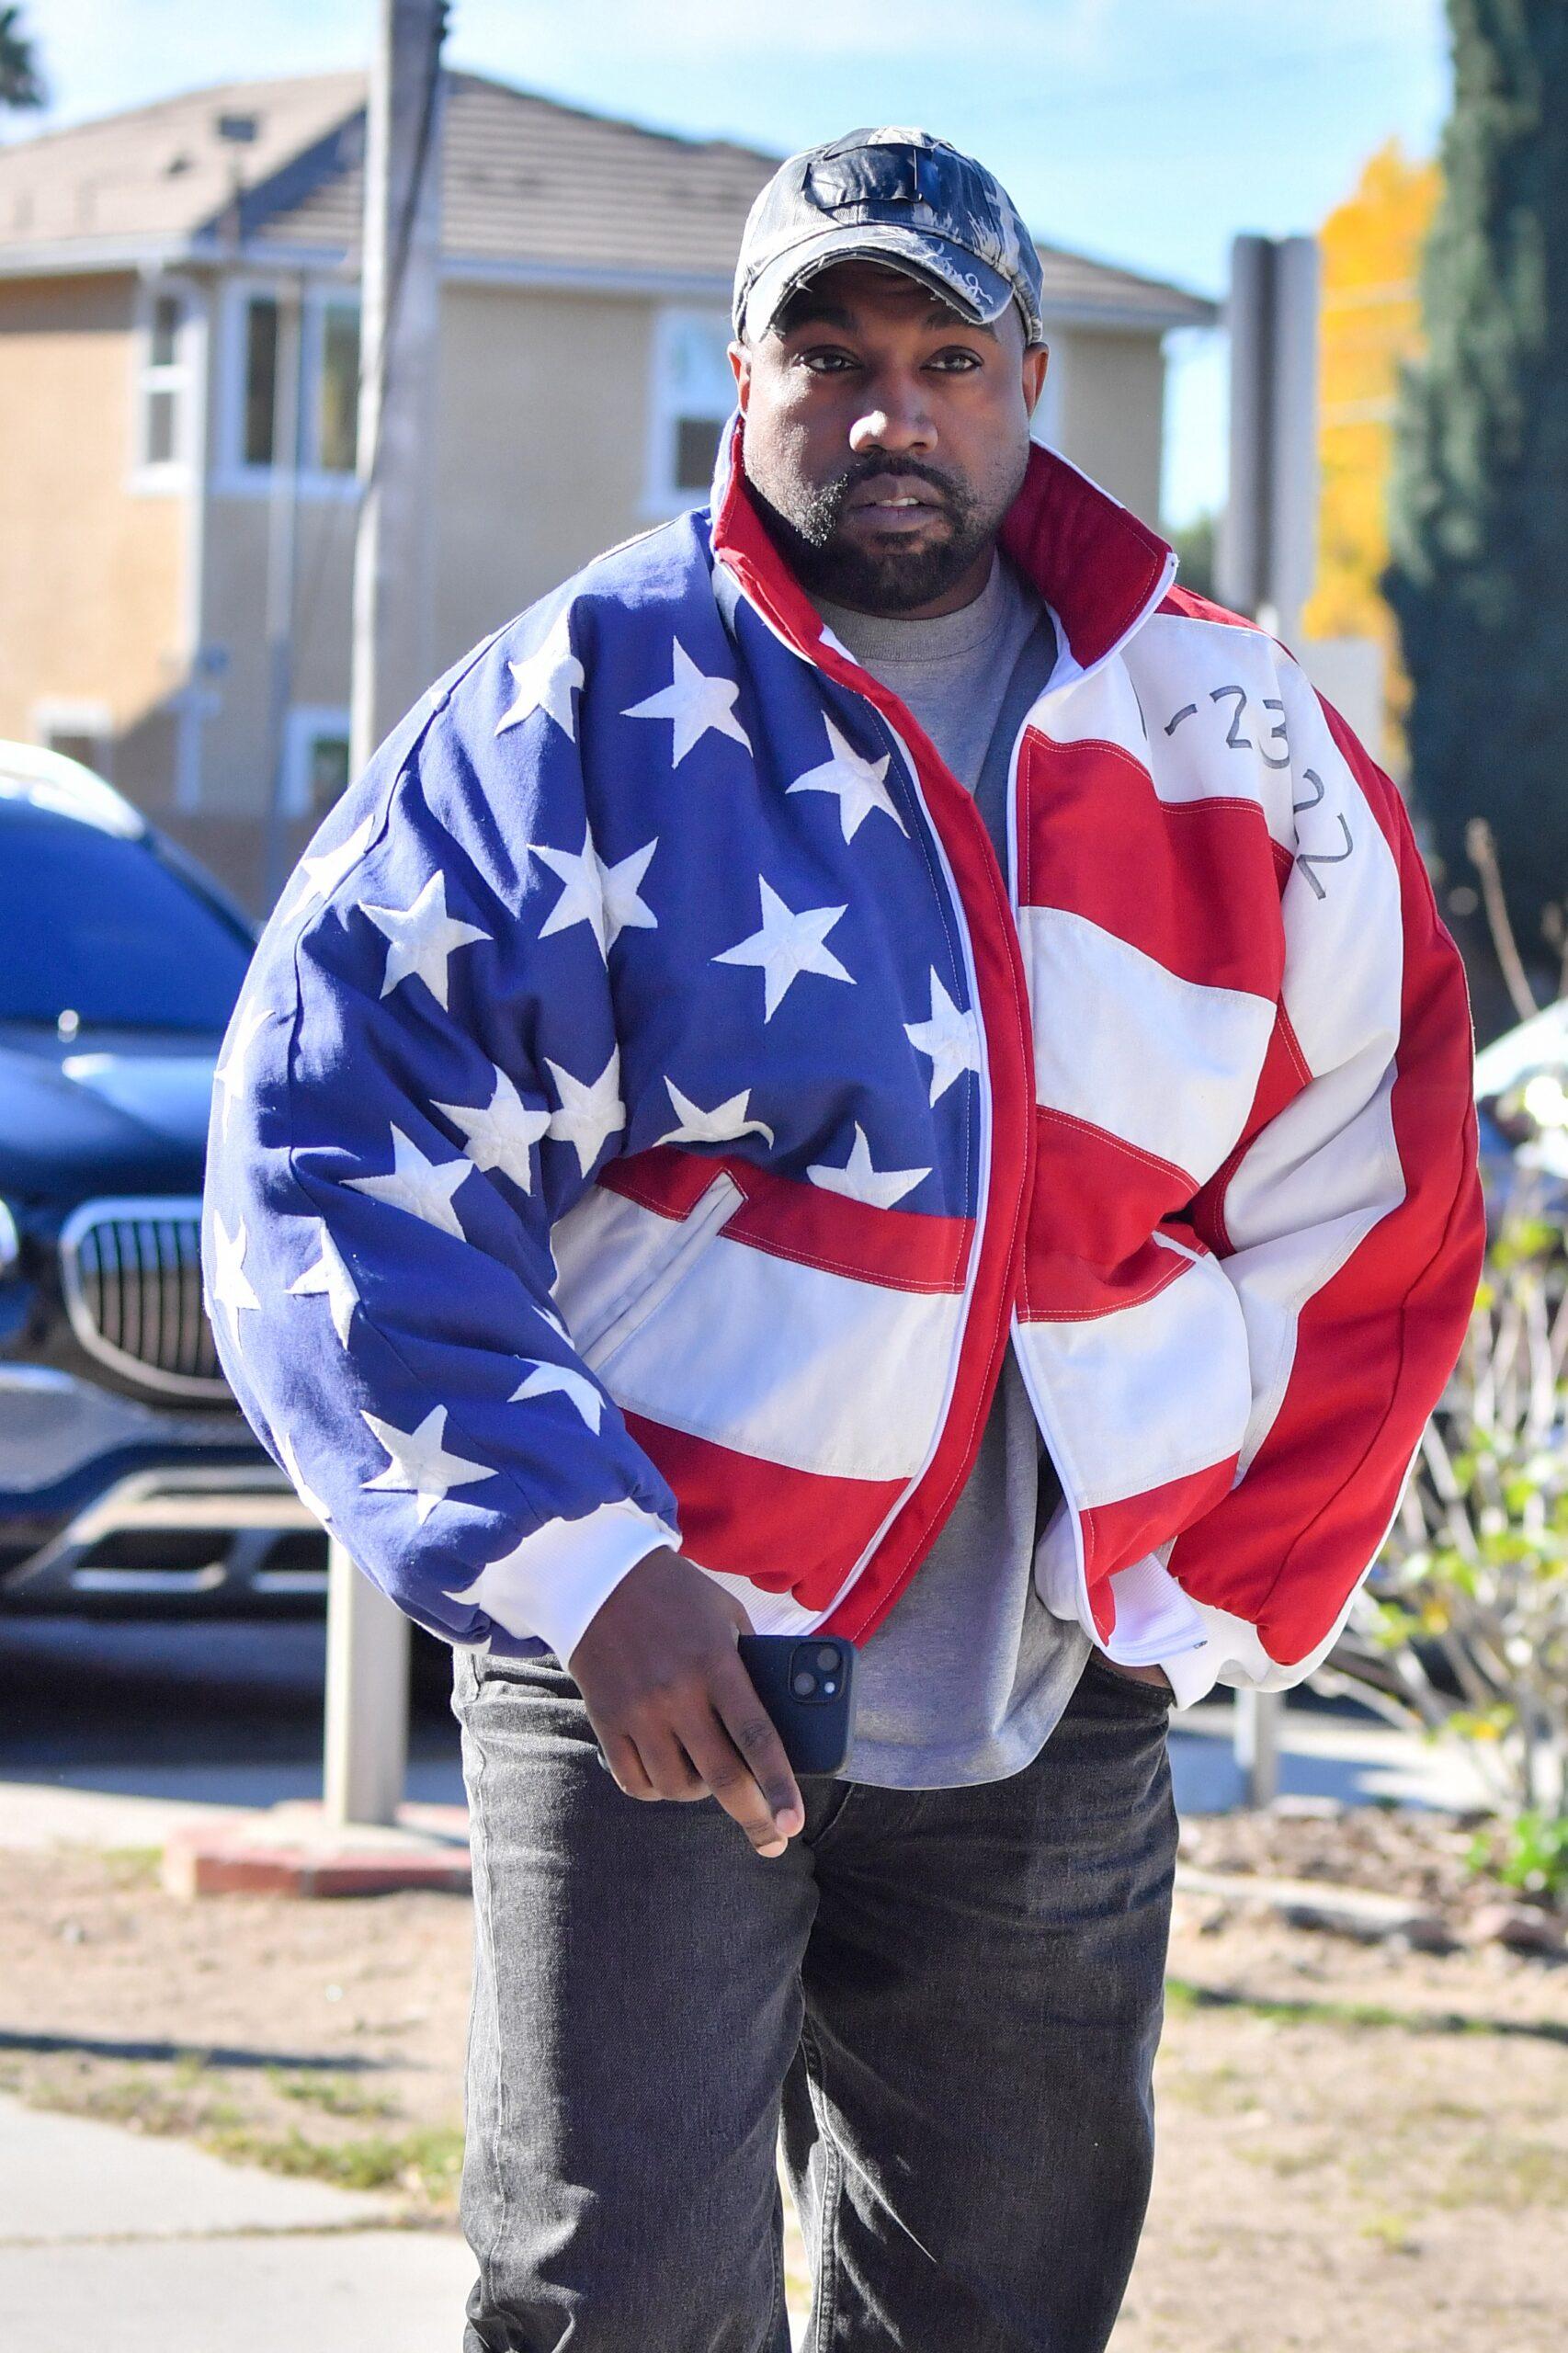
(966, 1677)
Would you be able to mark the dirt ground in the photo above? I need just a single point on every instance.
(1360, 2146)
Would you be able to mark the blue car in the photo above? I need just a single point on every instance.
(128, 1477)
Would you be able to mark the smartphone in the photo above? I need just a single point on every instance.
(807, 1684)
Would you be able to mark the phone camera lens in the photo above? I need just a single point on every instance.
(803, 1684)
(827, 1657)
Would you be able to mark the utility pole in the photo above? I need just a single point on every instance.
(367, 1690)
(1268, 554)
(1268, 550)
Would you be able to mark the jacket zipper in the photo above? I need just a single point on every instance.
(910, 777)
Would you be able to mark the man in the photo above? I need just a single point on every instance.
(868, 1065)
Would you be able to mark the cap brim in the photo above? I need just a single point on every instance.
(975, 292)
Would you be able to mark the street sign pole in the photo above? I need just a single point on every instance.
(367, 1639)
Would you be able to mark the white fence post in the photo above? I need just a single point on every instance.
(367, 1697)
(1259, 1721)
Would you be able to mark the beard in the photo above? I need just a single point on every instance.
(807, 530)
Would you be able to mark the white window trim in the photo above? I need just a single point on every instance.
(68, 715)
(233, 477)
(178, 376)
(301, 725)
(661, 497)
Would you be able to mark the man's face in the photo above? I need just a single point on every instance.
(886, 438)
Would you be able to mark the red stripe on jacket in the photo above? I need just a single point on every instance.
(1287, 1547)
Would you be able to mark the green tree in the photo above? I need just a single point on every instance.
(1479, 522)
(21, 84)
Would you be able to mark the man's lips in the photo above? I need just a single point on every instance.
(896, 493)
(895, 503)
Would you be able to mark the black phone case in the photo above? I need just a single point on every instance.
(815, 1733)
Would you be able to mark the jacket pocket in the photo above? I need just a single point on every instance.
(608, 1333)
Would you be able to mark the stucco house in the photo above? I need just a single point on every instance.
(178, 312)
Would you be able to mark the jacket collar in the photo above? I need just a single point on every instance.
(1100, 570)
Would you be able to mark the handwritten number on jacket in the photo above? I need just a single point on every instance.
(1237, 743)
(1276, 734)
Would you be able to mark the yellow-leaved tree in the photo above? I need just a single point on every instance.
(1371, 320)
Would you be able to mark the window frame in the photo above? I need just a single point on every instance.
(90, 721)
(662, 496)
(303, 724)
(236, 477)
(175, 378)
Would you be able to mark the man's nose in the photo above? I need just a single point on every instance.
(899, 423)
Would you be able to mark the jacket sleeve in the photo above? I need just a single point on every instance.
(420, 1076)
(1349, 1221)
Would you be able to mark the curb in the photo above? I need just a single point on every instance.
(1318, 1904)
(295, 1850)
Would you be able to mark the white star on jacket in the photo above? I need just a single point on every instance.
(723, 1124)
(695, 703)
(858, 783)
(424, 1187)
(546, 681)
(420, 1464)
(230, 1284)
(329, 1275)
(296, 1477)
(588, 1114)
(421, 940)
(787, 945)
(858, 1180)
(559, 1380)
(949, 1038)
(323, 874)
(230, 1074)
(604, 897)
(501, 1133)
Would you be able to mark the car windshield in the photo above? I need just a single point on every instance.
(98, 926)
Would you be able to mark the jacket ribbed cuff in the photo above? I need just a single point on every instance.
(553, 1583)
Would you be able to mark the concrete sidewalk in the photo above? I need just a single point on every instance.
(134, 2245)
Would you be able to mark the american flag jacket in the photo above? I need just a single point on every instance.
(651, 1113)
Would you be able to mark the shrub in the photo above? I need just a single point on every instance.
(1463, 1627)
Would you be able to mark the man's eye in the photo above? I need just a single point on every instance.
(824, 363)
(957, 362)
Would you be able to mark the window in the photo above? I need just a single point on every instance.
(103, 927)
(337, 373)
(315, 761)
(79, 730)
(161, 392)
(271, 336)
(693, 394)
(258, 445)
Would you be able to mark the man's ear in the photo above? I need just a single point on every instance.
(740, 362)
(1037, 359)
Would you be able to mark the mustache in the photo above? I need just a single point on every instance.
(834, 495)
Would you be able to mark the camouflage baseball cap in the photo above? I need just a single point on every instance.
(901, 197)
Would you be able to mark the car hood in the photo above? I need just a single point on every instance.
(107, 1111)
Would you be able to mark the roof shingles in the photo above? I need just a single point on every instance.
(525, 181)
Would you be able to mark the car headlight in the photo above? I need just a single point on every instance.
(10, 1242)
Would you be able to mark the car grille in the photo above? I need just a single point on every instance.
(131, 1275)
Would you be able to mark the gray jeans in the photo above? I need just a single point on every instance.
(947, 2002)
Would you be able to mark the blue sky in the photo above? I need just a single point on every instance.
(1148, 131)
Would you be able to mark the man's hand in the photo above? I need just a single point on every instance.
(676, 1714)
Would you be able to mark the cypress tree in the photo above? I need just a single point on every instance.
(1478, 510)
